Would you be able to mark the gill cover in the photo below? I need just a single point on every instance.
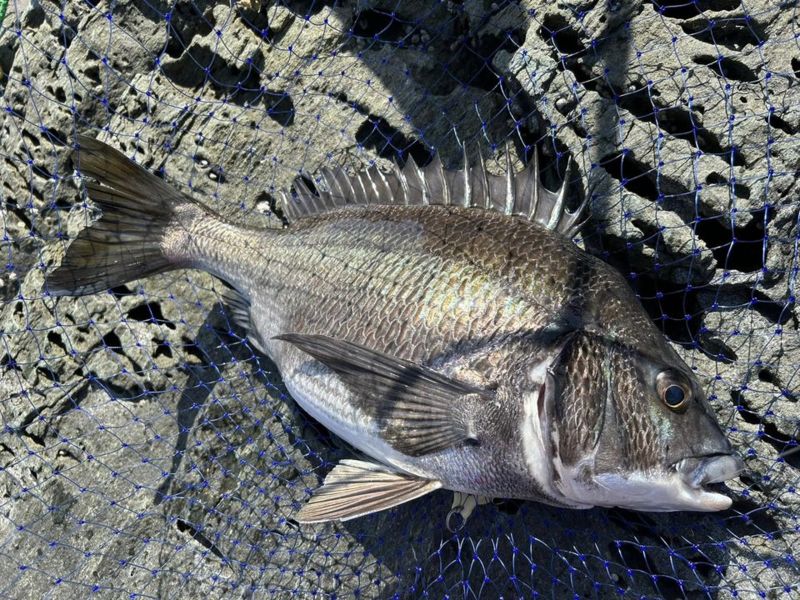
(623, 435)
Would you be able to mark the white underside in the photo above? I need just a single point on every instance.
(355, 428)
(655, 492)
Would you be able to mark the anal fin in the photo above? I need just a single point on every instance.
(239, 310)
(356, 488)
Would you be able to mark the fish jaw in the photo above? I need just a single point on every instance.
(652, 491)
(697, 471)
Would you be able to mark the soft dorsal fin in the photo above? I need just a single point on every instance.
(520, 194)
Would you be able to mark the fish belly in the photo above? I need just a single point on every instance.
(323, 395)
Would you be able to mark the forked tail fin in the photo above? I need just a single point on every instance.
(128, 240)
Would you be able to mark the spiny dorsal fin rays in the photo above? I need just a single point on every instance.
(379, 182)
(466, 177)
(402, 184)
(508, 178)
(480, 178)
(436, 181)
(472, 186)
(334, 181)
(362, 187)
(418, 191)
(556, 213)
(525, 181)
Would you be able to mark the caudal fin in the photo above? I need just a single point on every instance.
(126, 242)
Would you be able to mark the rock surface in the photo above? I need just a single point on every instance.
(149, 451)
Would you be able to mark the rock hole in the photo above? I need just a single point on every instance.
(686, 9)
(677, 9)
(356, 106)
(674, 120)
(775, 121)
(307, 7)
(376, 134)
(162, 348)
(727, 67)
(703, 565)
(186, 22)
(55, 338)
(633, 175)
(149, 312)
(112, 342)
(266, 203)
(193, 351)
(41, 171)
(258, 22)
(796, 67)
(120, 291)
(93, 72)
(734, 33)
(746, 252)
(47, 373)
(55, 136)
(772, 310)
(757, 517)
(199, 65)
(307, 181)
(739, 189)
(775, 438)
(716, 349)
(767, 375)
(66, 33)
(197, 535)
(377, 25)
(280, 107)
(7, 362)
(566, 40)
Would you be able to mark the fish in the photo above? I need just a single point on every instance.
(443, 323)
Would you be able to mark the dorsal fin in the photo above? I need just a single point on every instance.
(519, 194)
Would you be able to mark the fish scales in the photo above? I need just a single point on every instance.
(455, 344)
(438, 268)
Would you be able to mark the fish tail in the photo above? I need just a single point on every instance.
(138, 233)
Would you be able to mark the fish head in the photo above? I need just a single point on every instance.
(632, 428)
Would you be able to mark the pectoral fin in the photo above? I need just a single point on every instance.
(356, 488)
(419, 411)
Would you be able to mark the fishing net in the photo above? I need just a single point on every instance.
(149, 451)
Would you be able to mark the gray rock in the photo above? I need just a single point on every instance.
(148, 449)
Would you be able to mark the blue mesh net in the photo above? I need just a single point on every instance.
(149, 451)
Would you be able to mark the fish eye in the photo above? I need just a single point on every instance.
(674, 395)
(672, 390)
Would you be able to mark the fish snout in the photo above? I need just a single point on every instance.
(701, 470)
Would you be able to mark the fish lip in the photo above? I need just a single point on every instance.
(699, 471)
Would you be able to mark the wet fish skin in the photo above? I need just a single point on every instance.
(540, 354)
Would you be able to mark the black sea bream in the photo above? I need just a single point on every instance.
(441, 322)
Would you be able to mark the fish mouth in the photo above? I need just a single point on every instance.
(699, 471)
(686, 485)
